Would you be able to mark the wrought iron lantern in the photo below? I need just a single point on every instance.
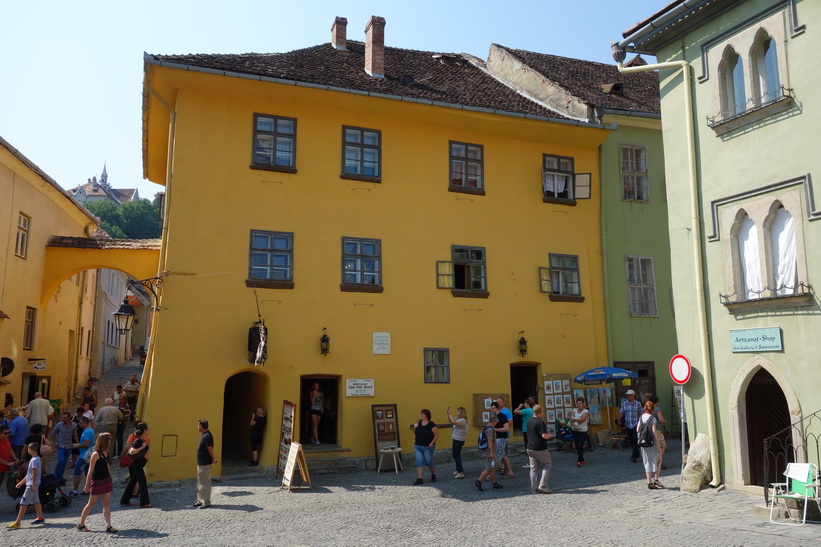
(124, 317)
(522, 343)
(325, 342)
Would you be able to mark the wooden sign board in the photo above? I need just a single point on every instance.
(296, 458)
(481, 406)
(286, 435)
(385, 428)
(559, 399)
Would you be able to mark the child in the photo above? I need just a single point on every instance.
(32, 481)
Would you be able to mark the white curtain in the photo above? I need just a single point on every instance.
(784, 259)
(749, 255)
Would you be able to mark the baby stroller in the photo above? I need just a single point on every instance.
(564, 435)
(51, 494)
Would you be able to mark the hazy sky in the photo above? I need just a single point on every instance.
(71, 79)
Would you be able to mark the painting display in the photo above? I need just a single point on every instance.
(385, 428)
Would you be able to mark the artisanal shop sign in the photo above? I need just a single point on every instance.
(764, 339)
(359, 387)
(381, 343)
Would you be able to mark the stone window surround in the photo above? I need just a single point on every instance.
(762, 211)
(623, 145)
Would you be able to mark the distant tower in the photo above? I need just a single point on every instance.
(104, 178)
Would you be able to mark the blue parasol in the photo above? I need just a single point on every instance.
(604, 375)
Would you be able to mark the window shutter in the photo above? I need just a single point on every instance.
(444, 274)
(545, 285)
(581, 185)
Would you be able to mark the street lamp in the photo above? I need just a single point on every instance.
(124, 317)
(522, 343)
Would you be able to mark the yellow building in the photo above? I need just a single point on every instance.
(44, 332)
(405, 203)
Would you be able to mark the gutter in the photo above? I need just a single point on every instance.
(656, 26)
(698, 250)
(150, 60)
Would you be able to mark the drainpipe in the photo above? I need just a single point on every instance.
(605, 270)
(698, 265)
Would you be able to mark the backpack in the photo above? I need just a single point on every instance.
(645, 437)
(483, 438)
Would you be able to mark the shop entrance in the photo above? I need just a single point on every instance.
(767, 414)
(244, 393)
(329, 417)
(32, 384)
(523, 384)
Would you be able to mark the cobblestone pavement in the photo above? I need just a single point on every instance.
(603, 503)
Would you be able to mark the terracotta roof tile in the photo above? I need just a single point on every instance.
(451, 78)
(640, 91)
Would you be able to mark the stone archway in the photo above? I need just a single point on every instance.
(739, 416)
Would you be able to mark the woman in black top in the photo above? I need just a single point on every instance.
(98, 483)
(426, 434)
(137, 450)
(257, 431)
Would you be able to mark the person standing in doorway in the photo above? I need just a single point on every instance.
(537, 452)
(317, 400)
(459, 434)
(205, 459)
(629, 415)
(257, 431)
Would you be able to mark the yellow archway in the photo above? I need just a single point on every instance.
(65, 256)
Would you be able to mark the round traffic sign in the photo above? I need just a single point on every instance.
(680, 369)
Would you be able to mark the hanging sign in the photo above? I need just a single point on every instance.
(680, 369)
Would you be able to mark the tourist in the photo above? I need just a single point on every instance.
(489, 452)
(138, 451)
(18, 431)
(660, 440)
(629, 416)
(579, 419)
(63, 435)
(525, 410)
(205, 459)
(40, 411)
(31, 496)
(459, 434)
(132, 390)
(257, 432)
(537, 452)
(316, 400)
(502, 434)
(424, 445)
(85, 444)
(98, 483)
(125, 410)
(649, 454)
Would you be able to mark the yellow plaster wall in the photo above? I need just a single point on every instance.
(215, 200)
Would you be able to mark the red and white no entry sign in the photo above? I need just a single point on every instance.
(680, 369)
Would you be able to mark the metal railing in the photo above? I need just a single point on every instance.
(798, 443)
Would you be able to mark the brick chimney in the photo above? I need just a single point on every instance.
(339, 33)
(375, 47)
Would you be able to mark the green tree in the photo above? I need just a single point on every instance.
(133, 220)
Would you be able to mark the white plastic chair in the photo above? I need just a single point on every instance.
(802, 484)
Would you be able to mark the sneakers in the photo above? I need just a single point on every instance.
(458, 475)
(526, 466)
(41, 520)
(253, 464)
(478, 484)
(317, 443)
(432, 477)
(418, 482)
(497, 486)
(198, 504)
(541, 491)
(12, 526)
(73, 494)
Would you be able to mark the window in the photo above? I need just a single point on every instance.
(362, 154)
(271, 260)
(465, 274)
(749, 253)
(21, 246)
(28, 329)
(767, 79)
(641, 286)
(560, 184)
(561, 279)
(785, 265)
(361, 265)
(466, 167)
(634, 173)
(437, 366)
(274, 143)
(734, 96)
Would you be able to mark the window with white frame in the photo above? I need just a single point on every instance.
(437, 365)
(641, 286)
(361, 262)
(29, 328)
(634, 172)
(21, 245)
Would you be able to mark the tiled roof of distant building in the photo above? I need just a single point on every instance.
(452, 78)
(584, 79)
(103, 243)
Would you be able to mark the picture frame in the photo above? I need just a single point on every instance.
(548, 401)
(558, 401)
(381, 427)
(488, 401)
(550, 416)
(578, 393)
(593, 396)
(559, 414)
(548, 387)
(390, 427)
(557, 386)
(568, 400)
(389, 414)
(378, 414)
(566, 385)
(485, 417)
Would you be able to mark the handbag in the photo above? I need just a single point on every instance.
(125, 459)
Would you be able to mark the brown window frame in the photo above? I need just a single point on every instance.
(29, 328)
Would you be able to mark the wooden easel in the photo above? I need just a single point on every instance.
(296, 457)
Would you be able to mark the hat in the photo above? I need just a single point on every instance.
(630, 392)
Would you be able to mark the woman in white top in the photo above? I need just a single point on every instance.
(579, 419)
(460, 431)
(649, 454)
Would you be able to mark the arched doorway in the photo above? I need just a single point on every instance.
(244, 393)
(767, 414)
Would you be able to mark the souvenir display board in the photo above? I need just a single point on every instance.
(385, 428)
(481, 406)
(286, 435)
(296, 458)
(557, 395)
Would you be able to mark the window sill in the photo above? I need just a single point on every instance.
(363, 178)
(463, 293)
(565, 298)
(559, 201)
(268, 284)
(772, 303)
(463, 190)
(278, 168)
(356, 287)
(753, 115)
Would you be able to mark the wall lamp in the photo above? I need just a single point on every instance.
(325, 342)
(124, 317)
(522, 343)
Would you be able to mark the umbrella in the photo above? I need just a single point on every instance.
(604, 375)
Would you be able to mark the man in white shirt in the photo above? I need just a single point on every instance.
(39, 411)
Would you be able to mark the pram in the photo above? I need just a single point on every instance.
(51, 494)
(564, 438)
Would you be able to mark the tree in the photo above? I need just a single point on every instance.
(133, 220)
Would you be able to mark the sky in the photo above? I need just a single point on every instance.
(71, 72)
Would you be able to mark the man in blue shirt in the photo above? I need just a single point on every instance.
(86, 443)
(63, 434)
(18, 431)
(629, 414)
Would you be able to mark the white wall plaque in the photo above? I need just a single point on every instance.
(381, 343)
(359, 387)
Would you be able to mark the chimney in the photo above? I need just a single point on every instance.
(375, 47)
(338, 33)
